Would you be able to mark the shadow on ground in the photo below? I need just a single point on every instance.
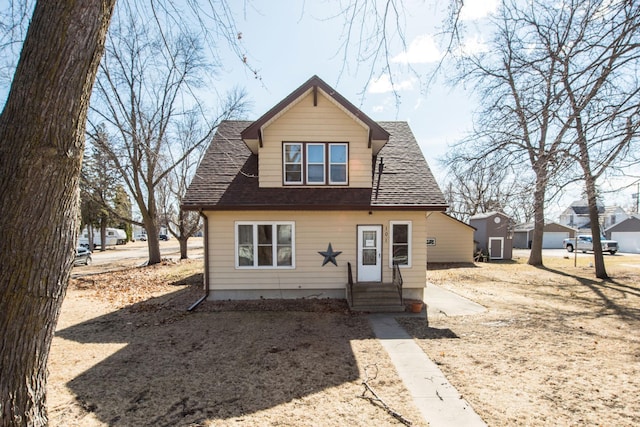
(419, 328)
(185, 368)
(613, 295)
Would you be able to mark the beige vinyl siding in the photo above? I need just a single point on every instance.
(313, 233)
(325, 122)
(454, 240)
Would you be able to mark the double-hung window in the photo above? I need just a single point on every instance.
(292, 163)
(265, 244)
(315, 163)
(338, 155)
(400, 243)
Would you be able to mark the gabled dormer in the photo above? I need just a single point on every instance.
(315, 138)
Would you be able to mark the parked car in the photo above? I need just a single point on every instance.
(584, 243)
(142, 237)
(83, 256)
(163, 236)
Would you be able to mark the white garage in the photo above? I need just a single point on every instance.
(553, 239)
(628, 241)
(627, 234)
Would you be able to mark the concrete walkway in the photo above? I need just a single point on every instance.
(438, 401)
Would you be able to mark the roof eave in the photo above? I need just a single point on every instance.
(253, 131)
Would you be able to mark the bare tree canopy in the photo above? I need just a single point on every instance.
(548, 70)
(144, 95)
(42, 138)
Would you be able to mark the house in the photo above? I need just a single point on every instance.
(626, 233)
(577, 216)
(315, 199)
(552, 236)
(493, 234)
(449, 240)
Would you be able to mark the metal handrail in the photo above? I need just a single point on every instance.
(350, 283)
(397, 280)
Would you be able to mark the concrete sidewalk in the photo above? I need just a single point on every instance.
(438, 401)
(442, 301)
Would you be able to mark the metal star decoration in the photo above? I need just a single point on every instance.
(330, 256)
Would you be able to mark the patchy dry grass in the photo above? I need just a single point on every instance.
(127, 353)
(555, 347)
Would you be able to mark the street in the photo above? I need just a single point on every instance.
(136, 253)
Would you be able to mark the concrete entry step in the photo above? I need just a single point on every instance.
(376, 298)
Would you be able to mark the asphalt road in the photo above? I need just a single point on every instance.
(561, 253)
(139, 251)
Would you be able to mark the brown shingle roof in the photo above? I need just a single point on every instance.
(227, 179)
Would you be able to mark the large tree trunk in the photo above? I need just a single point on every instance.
(594, 218)
(183, 247)
(535, 256)
(150, 220)
(41, 147)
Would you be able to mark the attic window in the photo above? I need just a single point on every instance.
(315, 163)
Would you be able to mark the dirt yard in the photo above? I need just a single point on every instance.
(555, 347)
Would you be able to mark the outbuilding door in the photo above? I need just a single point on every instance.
(369, 253)
(496, 247)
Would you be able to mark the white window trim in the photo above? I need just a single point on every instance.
(304, 164)
(346, 164)
(284, 163)
(307, 163)
(409, 242)
(255, 265)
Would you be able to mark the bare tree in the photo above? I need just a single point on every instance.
(145, 89)
(524, 100)
(42, 137)
(41, 147)
(480, 185)
(599, 72)
(559, 83)
(180, 223)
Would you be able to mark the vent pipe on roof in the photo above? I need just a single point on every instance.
(380, 169)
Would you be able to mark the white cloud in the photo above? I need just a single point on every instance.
(384, 85)
(378, 108)
(477, 9)
(422, 50)
(474, 45)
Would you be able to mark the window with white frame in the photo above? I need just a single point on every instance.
(400, 243)
(315, 163)
(292, 159)
(338, 155)
(265, 245)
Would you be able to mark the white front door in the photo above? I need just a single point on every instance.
(369, 253)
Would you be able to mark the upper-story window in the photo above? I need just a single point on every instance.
(314, 163)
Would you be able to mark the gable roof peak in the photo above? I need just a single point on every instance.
(254, 131)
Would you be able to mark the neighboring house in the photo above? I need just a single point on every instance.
(449, 240)
(493, 234)
(552, 237)
(314, 185)
(577, 216)
(627, 234)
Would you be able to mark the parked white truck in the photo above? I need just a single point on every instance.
(584, 243)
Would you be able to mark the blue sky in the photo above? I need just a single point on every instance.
(290, 41)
